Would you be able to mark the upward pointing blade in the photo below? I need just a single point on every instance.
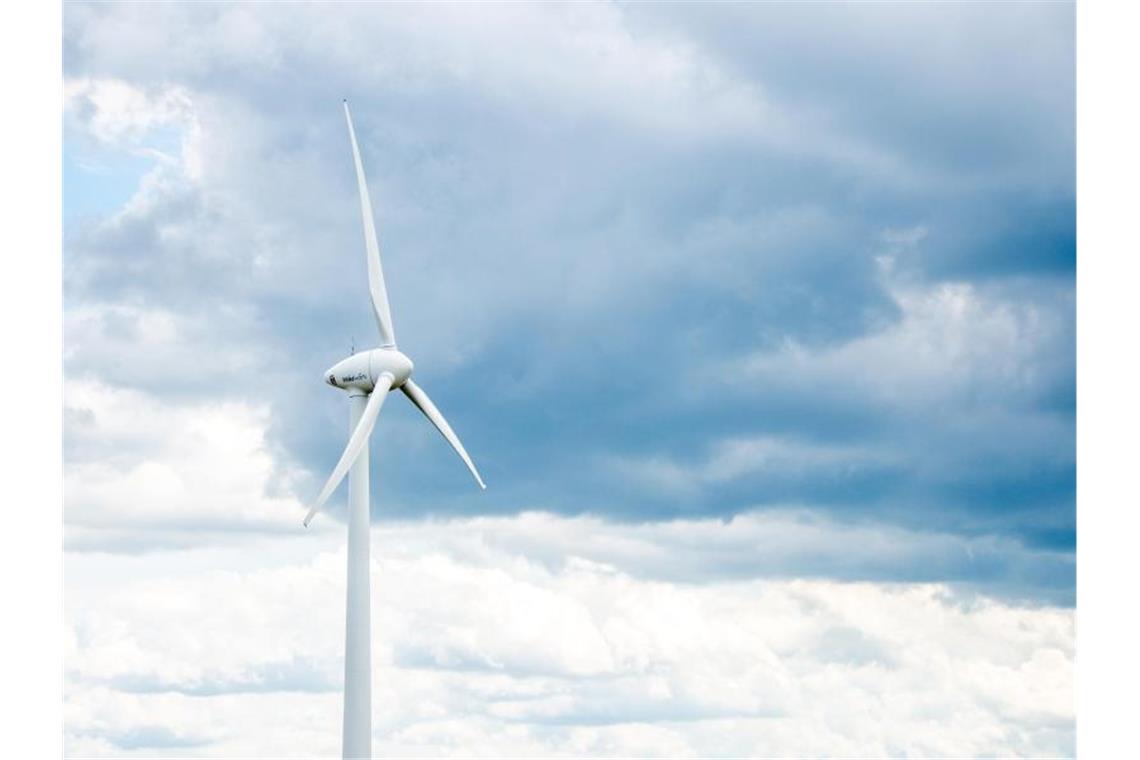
(355, 443)
(375, 275)
(421, 400)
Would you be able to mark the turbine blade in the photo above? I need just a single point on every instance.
(355, 443)
(375, 274)
(421, 400)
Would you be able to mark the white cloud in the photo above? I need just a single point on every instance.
(528, 635)
(952, 338)
(113, 110)
(121, 114)
(152, 348)
(165, 470)
(522, 649)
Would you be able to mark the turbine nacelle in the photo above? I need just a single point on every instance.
(364, 369)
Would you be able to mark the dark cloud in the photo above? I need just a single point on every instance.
(615, 252)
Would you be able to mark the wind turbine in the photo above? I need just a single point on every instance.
(368, 377)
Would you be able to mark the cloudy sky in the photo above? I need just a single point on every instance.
(758, 321)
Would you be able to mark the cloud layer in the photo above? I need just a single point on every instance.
(758, 321)
(511, 637)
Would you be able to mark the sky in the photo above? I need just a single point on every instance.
(758, 321)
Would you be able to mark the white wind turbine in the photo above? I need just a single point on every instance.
(368, 376)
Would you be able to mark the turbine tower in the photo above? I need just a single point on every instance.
(368, 377)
